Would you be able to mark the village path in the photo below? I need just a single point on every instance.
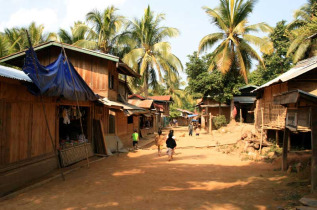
(197, 178)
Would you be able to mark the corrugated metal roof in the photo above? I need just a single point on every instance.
(244, 99)
(161, 98)
(126, 106)
(301, 68)
(13, 74)
(185, 111)
(66, 46)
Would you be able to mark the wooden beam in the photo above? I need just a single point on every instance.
(285, 143)
(314, 149)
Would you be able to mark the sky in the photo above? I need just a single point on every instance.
(185, 15)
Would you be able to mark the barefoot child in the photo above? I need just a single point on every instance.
(135, 139)
(159, 141)
(170, 144)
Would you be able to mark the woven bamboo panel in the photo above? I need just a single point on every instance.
(75, 154)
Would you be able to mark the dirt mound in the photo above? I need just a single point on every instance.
(293, 158)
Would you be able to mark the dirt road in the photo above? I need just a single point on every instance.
(198, 178)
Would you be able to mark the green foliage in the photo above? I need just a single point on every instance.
(219, 121)
(277, 62)
(214, 84)
(303, 31)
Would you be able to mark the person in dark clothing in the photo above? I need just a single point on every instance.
(171, 145)
(190, 129)
(159, 132)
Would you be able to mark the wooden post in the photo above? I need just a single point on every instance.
(240, 115)
(210, 123)
(277, 138)
(285, 142)
(262, 116)
(314, 149)
(289, 141)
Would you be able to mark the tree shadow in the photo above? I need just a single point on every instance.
(147, 181)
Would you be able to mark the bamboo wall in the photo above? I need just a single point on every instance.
(274, 115)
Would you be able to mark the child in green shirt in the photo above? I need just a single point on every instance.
(135, 139)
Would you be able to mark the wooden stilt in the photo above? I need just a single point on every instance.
(289, 141)
(277, 138)
(262, 127)
(314, 149)
(210, 123)
(285, 143)
(240, 115)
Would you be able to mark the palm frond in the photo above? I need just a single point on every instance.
(209, 40)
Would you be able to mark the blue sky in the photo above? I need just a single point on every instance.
(186, 15)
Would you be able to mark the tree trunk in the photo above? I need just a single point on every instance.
(220, 110)
(146, 84)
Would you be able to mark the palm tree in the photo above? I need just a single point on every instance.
(73, 37)
(18, 40)
(4, 46)
(151, 55)
(234, 52)
(303, 32)
(104, 33)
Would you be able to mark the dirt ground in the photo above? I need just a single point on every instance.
(199, 177)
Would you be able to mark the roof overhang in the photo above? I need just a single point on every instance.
(21, 54)
(293, 97)
(126, 70)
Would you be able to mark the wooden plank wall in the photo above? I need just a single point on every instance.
(25, 134)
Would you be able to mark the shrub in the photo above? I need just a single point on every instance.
(219, 121)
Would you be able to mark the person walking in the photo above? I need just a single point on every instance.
(171, 145)
(135, 139)
(190, 129)
(159, 132)
(159, 141)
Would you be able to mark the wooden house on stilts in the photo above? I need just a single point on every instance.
(287, 105)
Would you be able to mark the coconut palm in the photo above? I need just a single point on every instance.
(103, 34)
(74, 36)
(18, 40)
(303, 32)
(151, 56)
(234, 52)
(4, 45)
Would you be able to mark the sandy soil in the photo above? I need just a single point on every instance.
(197, 178)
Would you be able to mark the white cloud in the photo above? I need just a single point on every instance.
(23, 17)
(77, 9)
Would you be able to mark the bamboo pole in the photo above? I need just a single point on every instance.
(44, 111)
(80, 115)
(240, 115)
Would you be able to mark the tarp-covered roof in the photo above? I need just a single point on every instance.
(13, 74)
(301, 68)
(121, 67)
(57, 79)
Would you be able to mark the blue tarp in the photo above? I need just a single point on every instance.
(192, 115)
(55, 79)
